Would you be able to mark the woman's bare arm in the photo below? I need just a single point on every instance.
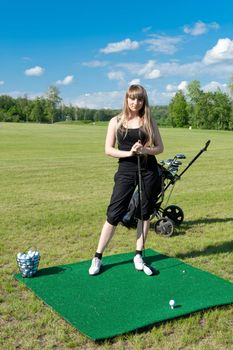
(110, 142)
(158, 147)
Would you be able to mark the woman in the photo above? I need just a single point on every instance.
(136, 133)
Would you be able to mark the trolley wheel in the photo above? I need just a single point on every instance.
(164, 226)
(174, 213)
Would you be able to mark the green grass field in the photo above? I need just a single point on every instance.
(55, 184)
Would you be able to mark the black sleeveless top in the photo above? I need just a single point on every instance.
(126, 139)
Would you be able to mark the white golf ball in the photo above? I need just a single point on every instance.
(172, 303)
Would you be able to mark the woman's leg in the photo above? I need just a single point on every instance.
(107, 232)
(140, 240)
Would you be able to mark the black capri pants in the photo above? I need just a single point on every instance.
(125, 185)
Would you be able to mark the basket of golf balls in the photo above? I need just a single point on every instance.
(28, 263)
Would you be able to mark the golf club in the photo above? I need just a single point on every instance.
(148, 270)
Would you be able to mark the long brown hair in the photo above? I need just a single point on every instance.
(137, 91)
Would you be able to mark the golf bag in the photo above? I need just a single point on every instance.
(172, 215)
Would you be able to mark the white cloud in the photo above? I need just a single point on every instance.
(123, 45)
(95, 64)
(222, 51)
(160, 98)
(163, 44)
(177, 69)
(214, 86)
(154, 74)
(35, 71)
(149, 71)
(26, 58)
(114, 99)
(30, 96)
(131, 67)
(181, 86)
(111, 99)
(2, 82)
(171, 88)
(118, 75)
(193, 70)
(200, 28)
(135, 82)
(146, 29)
(66, 81)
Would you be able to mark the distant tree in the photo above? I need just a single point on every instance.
(160, 114)
(230, 86)
(98, 115)
(13, 115)
(194, 94)
(194, 91)
(178, 110)
(6, 102)
(23, 106)
(222, 108)
(53, 102)
(213, 111)
(37, 111)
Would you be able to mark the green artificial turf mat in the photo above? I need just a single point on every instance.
(121, 299)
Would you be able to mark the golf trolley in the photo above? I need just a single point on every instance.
(171, 215)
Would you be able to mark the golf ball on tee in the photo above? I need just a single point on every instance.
(172, 303)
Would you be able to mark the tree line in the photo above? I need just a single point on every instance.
(203, 110)
(47, 109)
(196, 108)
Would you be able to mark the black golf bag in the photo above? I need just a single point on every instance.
(171, 215)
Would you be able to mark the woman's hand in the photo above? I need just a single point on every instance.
(137, 148)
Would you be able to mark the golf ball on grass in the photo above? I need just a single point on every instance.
(172, 303)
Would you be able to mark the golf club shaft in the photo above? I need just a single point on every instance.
(140, 201)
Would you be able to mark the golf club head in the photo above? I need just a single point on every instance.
(168, 161)
(176, 162)
(173, 170)
(180, 156)
(174, 166)
(149, 270)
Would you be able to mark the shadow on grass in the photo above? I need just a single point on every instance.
(148, 260)
(225, 247)
(205, 221)
(187, 225)
(50, 271)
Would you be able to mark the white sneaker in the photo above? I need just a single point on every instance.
(138, 262)
(95, 266)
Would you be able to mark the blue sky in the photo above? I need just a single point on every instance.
(93, 50)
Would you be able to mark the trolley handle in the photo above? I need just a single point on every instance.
(195, 158)
(206, 146)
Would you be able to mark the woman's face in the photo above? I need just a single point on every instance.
(135, 103)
